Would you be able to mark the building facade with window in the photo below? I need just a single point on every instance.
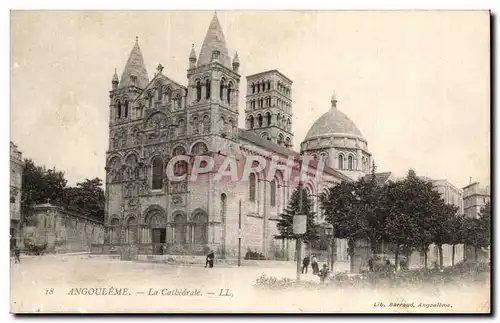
(16, 183)
(153, 121)
(475, 197)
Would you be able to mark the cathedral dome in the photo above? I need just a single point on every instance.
(333, 122)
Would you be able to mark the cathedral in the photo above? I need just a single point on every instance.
(153, 120)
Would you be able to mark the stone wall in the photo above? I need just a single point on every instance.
(63, 231)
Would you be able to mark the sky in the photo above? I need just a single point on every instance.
(417, 84)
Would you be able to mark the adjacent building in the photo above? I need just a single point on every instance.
(475, 197)
(16, 178)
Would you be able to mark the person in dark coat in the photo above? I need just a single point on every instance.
(314, 265)
(210, 260)
(323, 273)
(17, 254)
(370, 265)
(305, 264)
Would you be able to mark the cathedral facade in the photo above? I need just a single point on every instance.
(154, 121)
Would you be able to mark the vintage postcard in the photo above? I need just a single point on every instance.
(250, 162)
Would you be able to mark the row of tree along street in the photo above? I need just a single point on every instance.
(41, 185)
(408, 215)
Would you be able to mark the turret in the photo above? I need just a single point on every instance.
(192, 58)
(236, 63)
(114, 82)
(334, 101)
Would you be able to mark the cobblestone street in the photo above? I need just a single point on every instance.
(44, 283)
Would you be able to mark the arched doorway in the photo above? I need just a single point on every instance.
(157, 229)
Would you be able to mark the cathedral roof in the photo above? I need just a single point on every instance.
(333, 122)
(283, 151)
(214, 40)
(135, 67)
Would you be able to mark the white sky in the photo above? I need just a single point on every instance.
(415, 83)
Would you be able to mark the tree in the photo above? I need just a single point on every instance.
(410, 205)
(285, 222)
(485, 222)
(343, 210)
(455, 236)
(87, 196)
(441, 225)
(39, 185)
(477, 231)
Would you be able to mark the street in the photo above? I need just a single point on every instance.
(54, 284)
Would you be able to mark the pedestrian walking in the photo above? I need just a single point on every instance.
(210, 260)
(17, 254)
(314, 265)
(305, 264)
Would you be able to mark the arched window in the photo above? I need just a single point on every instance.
(200, 223)
(252, 188)
(150, 98)
(199, 149)
(181, 130)
(195, 125)
(268, 119)
(206, 124)
(253, 88)
(179, 102)
(250, 122)
(180, 168)
(268, 85)
(159, 92)
(288, 143)
(258, 87)
(207, 89)
(198, 91)
(221, 89)
(341, 161)
(119, 111)
(229, 91)
(166, 95)
(273, 192)
(350, 162)
(157, 180)
(260, 120)
(281, 140)
(125, 114)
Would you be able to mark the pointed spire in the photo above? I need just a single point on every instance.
(135, 72)
(114, 81)
(192, 55)
(214, 41)
(115, 77)
(334, 100)
(236, 63)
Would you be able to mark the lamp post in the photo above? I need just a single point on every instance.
(328, 227)
(299, 225)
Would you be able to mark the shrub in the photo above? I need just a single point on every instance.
(254, 255)
(407, 279)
